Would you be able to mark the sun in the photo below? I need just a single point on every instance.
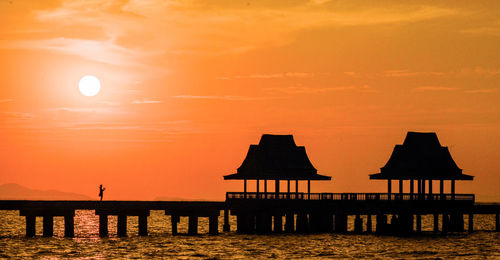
(89, 86)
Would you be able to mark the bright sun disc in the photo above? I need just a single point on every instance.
(89, 86)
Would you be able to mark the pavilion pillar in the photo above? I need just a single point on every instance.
(423, 189)
(69, 225)
(103, 225)
(288, 191)
(258, 197)
(452, 189)
(430, 189)
(401, 189)
(226, 227)
(122, 225)
(48, 226)
(441, 189)
(419, 188)
(265, 189)
(389, 188)
(143, 225)
(308, 189)
(411, 189)
(245, 188)
(31, 225)
(296, 189)
(277, 188)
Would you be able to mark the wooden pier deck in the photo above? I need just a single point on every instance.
(271, 212)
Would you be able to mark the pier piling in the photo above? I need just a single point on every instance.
(69, 225)
(103, 225)
(226, 227)
(358, 224)
(174, 219)
(369, 223)
(471, 223)
(143, 225)
(48, 226)
(193, 225)
(122, 225)
(31, 225)
(213, 225)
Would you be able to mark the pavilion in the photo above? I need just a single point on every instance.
(277, 158)
(422, 158)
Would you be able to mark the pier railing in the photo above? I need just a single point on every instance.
(347, 196)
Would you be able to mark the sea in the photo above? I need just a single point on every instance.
(481, 244)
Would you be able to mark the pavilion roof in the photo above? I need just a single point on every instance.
(421, 156)
(276, 157)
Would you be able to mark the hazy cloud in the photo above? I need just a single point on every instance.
(432, 88)
(146, 101)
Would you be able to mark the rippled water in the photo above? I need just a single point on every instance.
(160, 242)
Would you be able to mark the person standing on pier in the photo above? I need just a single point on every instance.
(101, 191)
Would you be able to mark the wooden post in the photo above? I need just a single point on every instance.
(430, 189)
(143, 225)
(31, 225)
(497, 222)
(277, 188)
(436, 222)
(471, 222)
(441, 189)
(265, 189)
(226, 227)
(389, 188)
(411, 189)
(401, 187)
(369, 223)
(69, 225)
(258, 197)
(278, 223)
(358, 224)
(193, 225)
(174, 219)
(296, 189)
(452, 189)
(419, 223)
(308, 189)
(419, 188)
(289, 222)
(103, 225)
(245, 188)
(288, 186)
(48, 226)
(213, 225)
(423, 189)
(122, 225)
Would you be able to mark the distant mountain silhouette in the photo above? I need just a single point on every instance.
(12, 191)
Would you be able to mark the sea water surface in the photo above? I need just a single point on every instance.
(161, 244)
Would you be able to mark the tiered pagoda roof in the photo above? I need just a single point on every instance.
(276, 157)
(421, 156)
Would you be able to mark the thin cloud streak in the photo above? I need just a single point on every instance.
(432, 88)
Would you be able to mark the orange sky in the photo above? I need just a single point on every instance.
(187, 86)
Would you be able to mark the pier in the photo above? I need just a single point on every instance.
(420, 160)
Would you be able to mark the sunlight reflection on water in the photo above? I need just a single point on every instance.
(160, 243)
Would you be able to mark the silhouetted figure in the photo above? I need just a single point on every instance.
(101, 191)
